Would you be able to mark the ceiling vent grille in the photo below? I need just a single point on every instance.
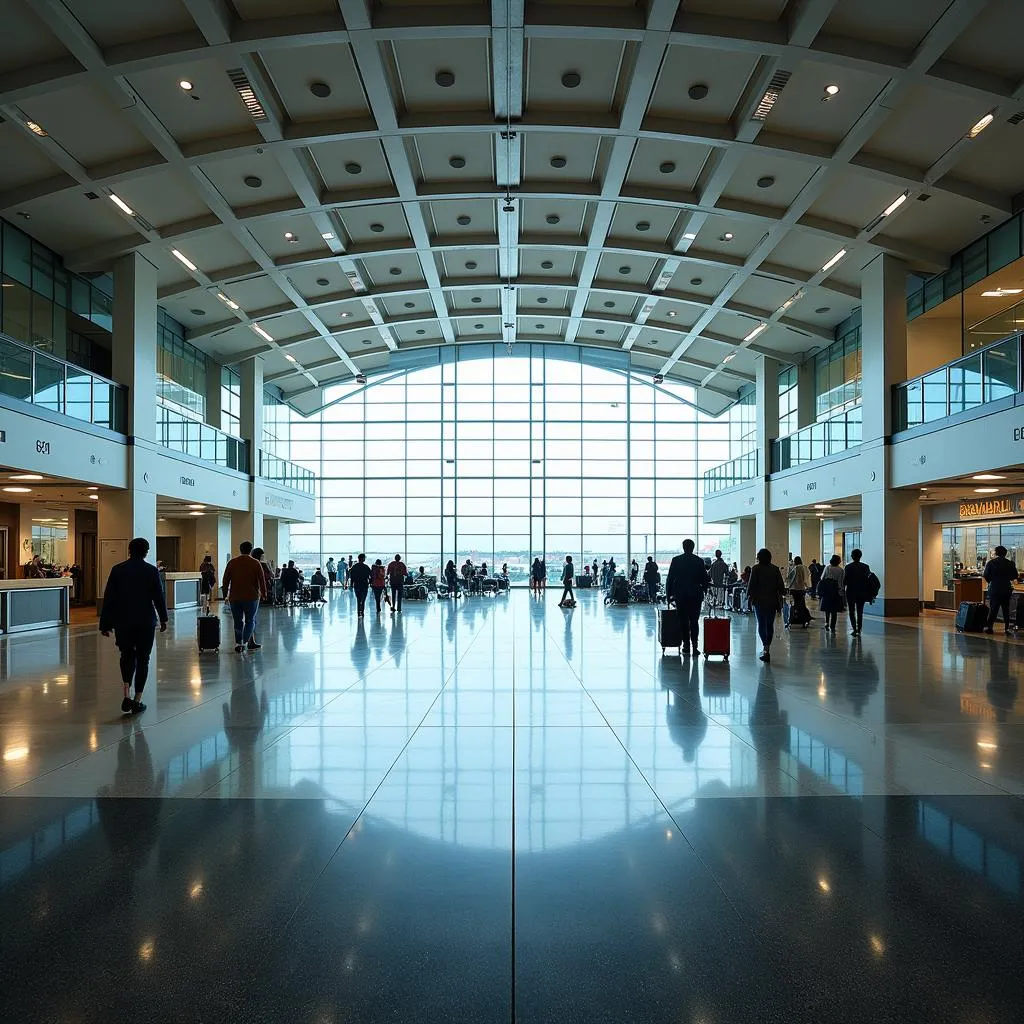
(1016, 118)
(92, 195)
(924, 197)
(771, 95)
(247, 94)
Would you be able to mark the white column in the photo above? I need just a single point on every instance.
(276, 540)
(772, 528)
(213, 394)
(890, 518)
(246, 526)
(133, 345)
(930, 557)
(810, 540)
(249, 525)
(213, 538)
(748, 542)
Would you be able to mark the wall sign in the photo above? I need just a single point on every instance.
(275, 501)
(42, 447)
(1009, 506)
(188, 481)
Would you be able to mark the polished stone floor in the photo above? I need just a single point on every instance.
(494, 810)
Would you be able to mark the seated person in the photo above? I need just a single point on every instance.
(483, 569)
(318, 579)
(290, 581)
(421, 574)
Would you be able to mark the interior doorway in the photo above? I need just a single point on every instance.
(168, 551)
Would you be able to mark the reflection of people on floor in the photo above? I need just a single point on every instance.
(769, 730)
(396, 642)
(360, 648)
(567, 614)
(684, 716)
(861, 678)
(1002, 688)
(129, 808)
(244, 719)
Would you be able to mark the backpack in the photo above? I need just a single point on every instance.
(379, 576)
(872, 585)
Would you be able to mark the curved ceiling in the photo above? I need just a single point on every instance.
(670, 180)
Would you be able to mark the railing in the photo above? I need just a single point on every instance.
(829, 437)
(984, 376)
(287, 474)
(736, 471)
(32, 376)
(201, 441)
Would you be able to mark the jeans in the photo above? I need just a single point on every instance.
(997, 602)
(396, 596)
(135, 644)
(567, 593)
(765, 614)
(857, 613)
(361, 598)
(244, 614)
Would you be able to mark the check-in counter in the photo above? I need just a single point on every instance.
(182, 589)
(34, 604)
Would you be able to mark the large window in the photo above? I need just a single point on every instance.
(501, 458)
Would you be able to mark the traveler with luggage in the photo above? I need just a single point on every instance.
(207, 581)
(1000, 574)
(245, 586)
(815, 569)
(687, 583)
(568, 579)
(766, 593)
(857, 579)
(798, 583)
(133, 601)
(379, 580)
(831, 588)
(360, 576)
(290, 582)
(396, 577)
(719, 573)
(652, 578)
(537, 574)
(332, 572)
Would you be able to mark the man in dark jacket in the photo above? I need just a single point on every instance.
(133, 600)
(1000, 574)
(359, 576)
(815, 569)
(855, 579)
(652, 577)
(687, 583)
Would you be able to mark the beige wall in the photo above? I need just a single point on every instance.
(185, 531)
(932, 342)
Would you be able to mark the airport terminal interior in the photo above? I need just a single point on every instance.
(520, 293)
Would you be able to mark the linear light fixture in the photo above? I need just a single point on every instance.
(756, 331)
(980, 476)
(121, 205)
(326, 235)
(289, 357)
(895, 205)
(981, 125)
(184, 259)
(832, 262)
(729, 358)
(247, 94)
(795, 297)
(35, 128)
(261, 332)
(998, 293)
(227, 302)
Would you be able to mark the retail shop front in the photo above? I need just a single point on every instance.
(971, 529)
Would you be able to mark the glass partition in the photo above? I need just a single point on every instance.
(30, 376)
(179, 433)
(729, 474)
(288, 474)
(983, 376)
(828, 437)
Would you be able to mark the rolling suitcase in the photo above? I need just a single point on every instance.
(971, 617)
(717, 639)
(670, 629)
(208, 633)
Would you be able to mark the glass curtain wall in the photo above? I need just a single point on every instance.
(506, 457)
(788, 421)
(837, 372)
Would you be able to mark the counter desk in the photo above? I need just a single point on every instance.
(34, 604)
(182, 589)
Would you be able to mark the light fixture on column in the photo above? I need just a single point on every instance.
(895, 205)
(756, 331)
(981, 125)
(121, 204)
(227, 302)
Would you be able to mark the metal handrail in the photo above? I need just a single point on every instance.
(287, 474)
(818, 440)
(739, 470)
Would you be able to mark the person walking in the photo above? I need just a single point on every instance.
(687, 583)
(568, 580)
(451, 578)
(1000, 574)
(332, 572)
(634, 570)
(207, 581)
(830, 591)
(719, 573)
(594, 573)
(815, 569)
(798, 583)
(348, 571)
(244, 587)
(378, 581)
(133, 603)
(537, 571)
(766, 591)
(360, 576)
(856, 578)
(396, 577)
(652, 578)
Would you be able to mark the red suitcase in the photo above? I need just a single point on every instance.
(717, 637)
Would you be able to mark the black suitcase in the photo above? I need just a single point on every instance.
(316, 592)
(670, 629)
(583, 581)
(208, 633)
(971, 617)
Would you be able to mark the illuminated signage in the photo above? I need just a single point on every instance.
(1009, 506)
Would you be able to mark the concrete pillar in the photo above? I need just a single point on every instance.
(277, 540)
(810, 540)
(883, 336)
(771, 528)
(806, 410)
(747, 542)
(121, 516)
(930, 557)
(133, 346)
(213, 538)
(772, 532)
(251, 404)
(246, 526)
(890, 545)
(213, 394)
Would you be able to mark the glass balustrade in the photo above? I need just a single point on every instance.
(983, 376)
(50, 383)
(819, 440)
(287, 474)
(190, 437)
(736, 471)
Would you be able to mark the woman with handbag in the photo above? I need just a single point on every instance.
(766, 592)
(830, 591)
(378, 582)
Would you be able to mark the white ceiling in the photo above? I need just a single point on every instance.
(596, 156)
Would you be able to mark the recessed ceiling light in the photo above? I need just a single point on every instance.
(323, 283)
(822, 506)
(36, 476)
(366, 341)
(290, 236)
(227, 302)
(445, 79)
(326, 235)
(261, 332)
(409, 305)
(726, 237)
(609, 304)
(195, 513)
(667, 166)
(539, 327)
(200, 507)
(252, 181)
(835, 259)
(376, 227)
(18, 490)
(696, 281)
(697, 91)
(571, 79)
(600, 330)
(980, 476)
(471, 264)
(672, 313)
(92, 488)
(478, 327)
(185, 85)
(823, 309)
(558, 161)
(820, 515)
(121, 205)
(625, 270)
(395, 271)
(346, 314)
(198, 312)
(981, 125)
(289, 357)
(420, 331)
(457, 162)
(184, 259)
(321, 90)
(94, 497)
(756, 331)
(546, 265)
(977, 490)
(765, 181)
(643, 225)
(895, 205)
(552, 218)
(463, 219)
(832, 90)
(353, 168)
(476, 299)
